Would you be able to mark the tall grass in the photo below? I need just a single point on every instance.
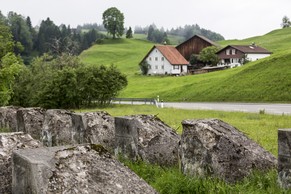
(172, 181)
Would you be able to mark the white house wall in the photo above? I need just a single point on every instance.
(254, 57)
(160, 66)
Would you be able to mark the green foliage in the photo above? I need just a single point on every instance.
(48, 34)
(285, 22)
(10, 67)
(208, 55)
(99, 84)
(184, 33)
(21, 32)
(193, 59)
(144, 67)
(129, 33)
(113, 21)
(64, 82)
(156, 35)
(6, 40)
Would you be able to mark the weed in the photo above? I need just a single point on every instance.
(262, 111)
(4, 130)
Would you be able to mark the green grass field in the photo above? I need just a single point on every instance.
(262, 128)
(174, 40)
(277, 40)
(266, 80)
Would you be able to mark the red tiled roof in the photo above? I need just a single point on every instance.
(170, 53)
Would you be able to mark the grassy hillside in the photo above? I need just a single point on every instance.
(266, 80)
(174, 40)
(277, 40)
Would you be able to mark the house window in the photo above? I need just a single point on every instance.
(163, 58)
(156, 67)
(162, 66)
(227, 52)
(233, 51)
(176, 67)
(150, 58)
(156, 58)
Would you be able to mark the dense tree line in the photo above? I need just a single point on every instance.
(190, 30)
(156, 35)
(54, 78)
(187, 32)
(88, 26)
(47, 38)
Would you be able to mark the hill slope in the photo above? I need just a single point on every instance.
(266, 80)
(277, 40)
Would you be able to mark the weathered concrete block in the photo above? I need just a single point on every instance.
(30, 120)
(213, 147)
(8, 117)
(8, 143)
(284, 158)
(126, 137)
(148, 138)
(99, 129)
(62, 127)
(79, 169)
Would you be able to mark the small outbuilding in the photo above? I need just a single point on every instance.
(165, 59)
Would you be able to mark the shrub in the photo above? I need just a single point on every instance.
(144, 67)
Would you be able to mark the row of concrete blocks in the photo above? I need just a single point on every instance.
(207, 147)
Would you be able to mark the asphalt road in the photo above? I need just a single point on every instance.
(241, 107)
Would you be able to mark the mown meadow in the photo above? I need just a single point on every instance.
(266, 80)
(260, 127)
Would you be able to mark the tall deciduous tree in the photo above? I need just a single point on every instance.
(113, 21)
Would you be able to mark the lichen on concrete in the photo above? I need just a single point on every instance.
(76, 169)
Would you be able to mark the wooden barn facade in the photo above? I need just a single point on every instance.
(194, 45)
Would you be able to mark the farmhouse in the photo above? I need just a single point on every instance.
(165, 59)
(234, 55)
(194, 45)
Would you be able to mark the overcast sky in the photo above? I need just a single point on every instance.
(231, 18)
